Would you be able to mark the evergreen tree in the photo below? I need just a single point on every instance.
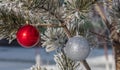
(58, 20)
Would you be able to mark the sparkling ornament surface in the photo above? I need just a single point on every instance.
(77, 48)
(28, 36)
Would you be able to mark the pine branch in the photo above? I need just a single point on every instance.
(101, 36)
(113, 27)
(10, 22)
(54, 38)
(50, 25)
(64, 63)
(102, 14)
(35, 67)
(51, 6)
(115, 9)
(81, 5)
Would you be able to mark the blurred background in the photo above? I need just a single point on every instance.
(15, 57)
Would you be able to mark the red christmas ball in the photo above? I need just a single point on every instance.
(28, 36)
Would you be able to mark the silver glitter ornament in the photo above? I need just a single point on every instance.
(77, 48)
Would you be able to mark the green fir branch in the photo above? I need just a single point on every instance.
(65, 63)
(80, 5)
(10, 22)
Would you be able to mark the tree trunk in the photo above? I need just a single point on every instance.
(115, 36)
(116, 48)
